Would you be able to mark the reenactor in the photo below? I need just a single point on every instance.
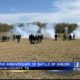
(56, 37)
(70, 37)
(14, 37)
(73, 36)
(31, 38)
(64, 37)
(35, 39)
(18, 37)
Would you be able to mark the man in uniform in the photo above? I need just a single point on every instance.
(56, 37)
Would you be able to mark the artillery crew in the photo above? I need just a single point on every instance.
(5, 38)
(35, 39)
(70, 36)
(18, 37)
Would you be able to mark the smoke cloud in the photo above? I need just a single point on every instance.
(27, 29)
(77, 32)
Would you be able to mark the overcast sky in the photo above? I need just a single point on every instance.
(18, 11)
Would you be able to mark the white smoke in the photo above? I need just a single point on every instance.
(27, 29)
(49, 31)
(77, 32)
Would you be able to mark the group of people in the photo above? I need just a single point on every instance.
(4, 38)
(18, 37)
(69, 37)
(7, 38)
(66, 37)
(35, 38)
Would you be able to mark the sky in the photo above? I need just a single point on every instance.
(49, 11)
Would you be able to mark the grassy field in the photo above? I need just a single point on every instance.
(48, 50)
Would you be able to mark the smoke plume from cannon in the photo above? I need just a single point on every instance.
(27, 29)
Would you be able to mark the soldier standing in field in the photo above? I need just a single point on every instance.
(30, 38)
(64, 37)
(73, 36)
(13, 37)
(18, 37)
(70, 37)
(56, 37)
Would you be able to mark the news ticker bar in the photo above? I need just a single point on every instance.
(39, 65)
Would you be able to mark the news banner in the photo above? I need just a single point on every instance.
(39, 65)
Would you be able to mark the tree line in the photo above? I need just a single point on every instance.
(5, 27)
(59, 27)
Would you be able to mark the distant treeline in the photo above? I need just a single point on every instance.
(5, 27)
(59, 27)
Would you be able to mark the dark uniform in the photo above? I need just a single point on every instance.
(14, 37)
(18, 37)
(73, 36)
(70, 37)
(64, 37)
(56, 37)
